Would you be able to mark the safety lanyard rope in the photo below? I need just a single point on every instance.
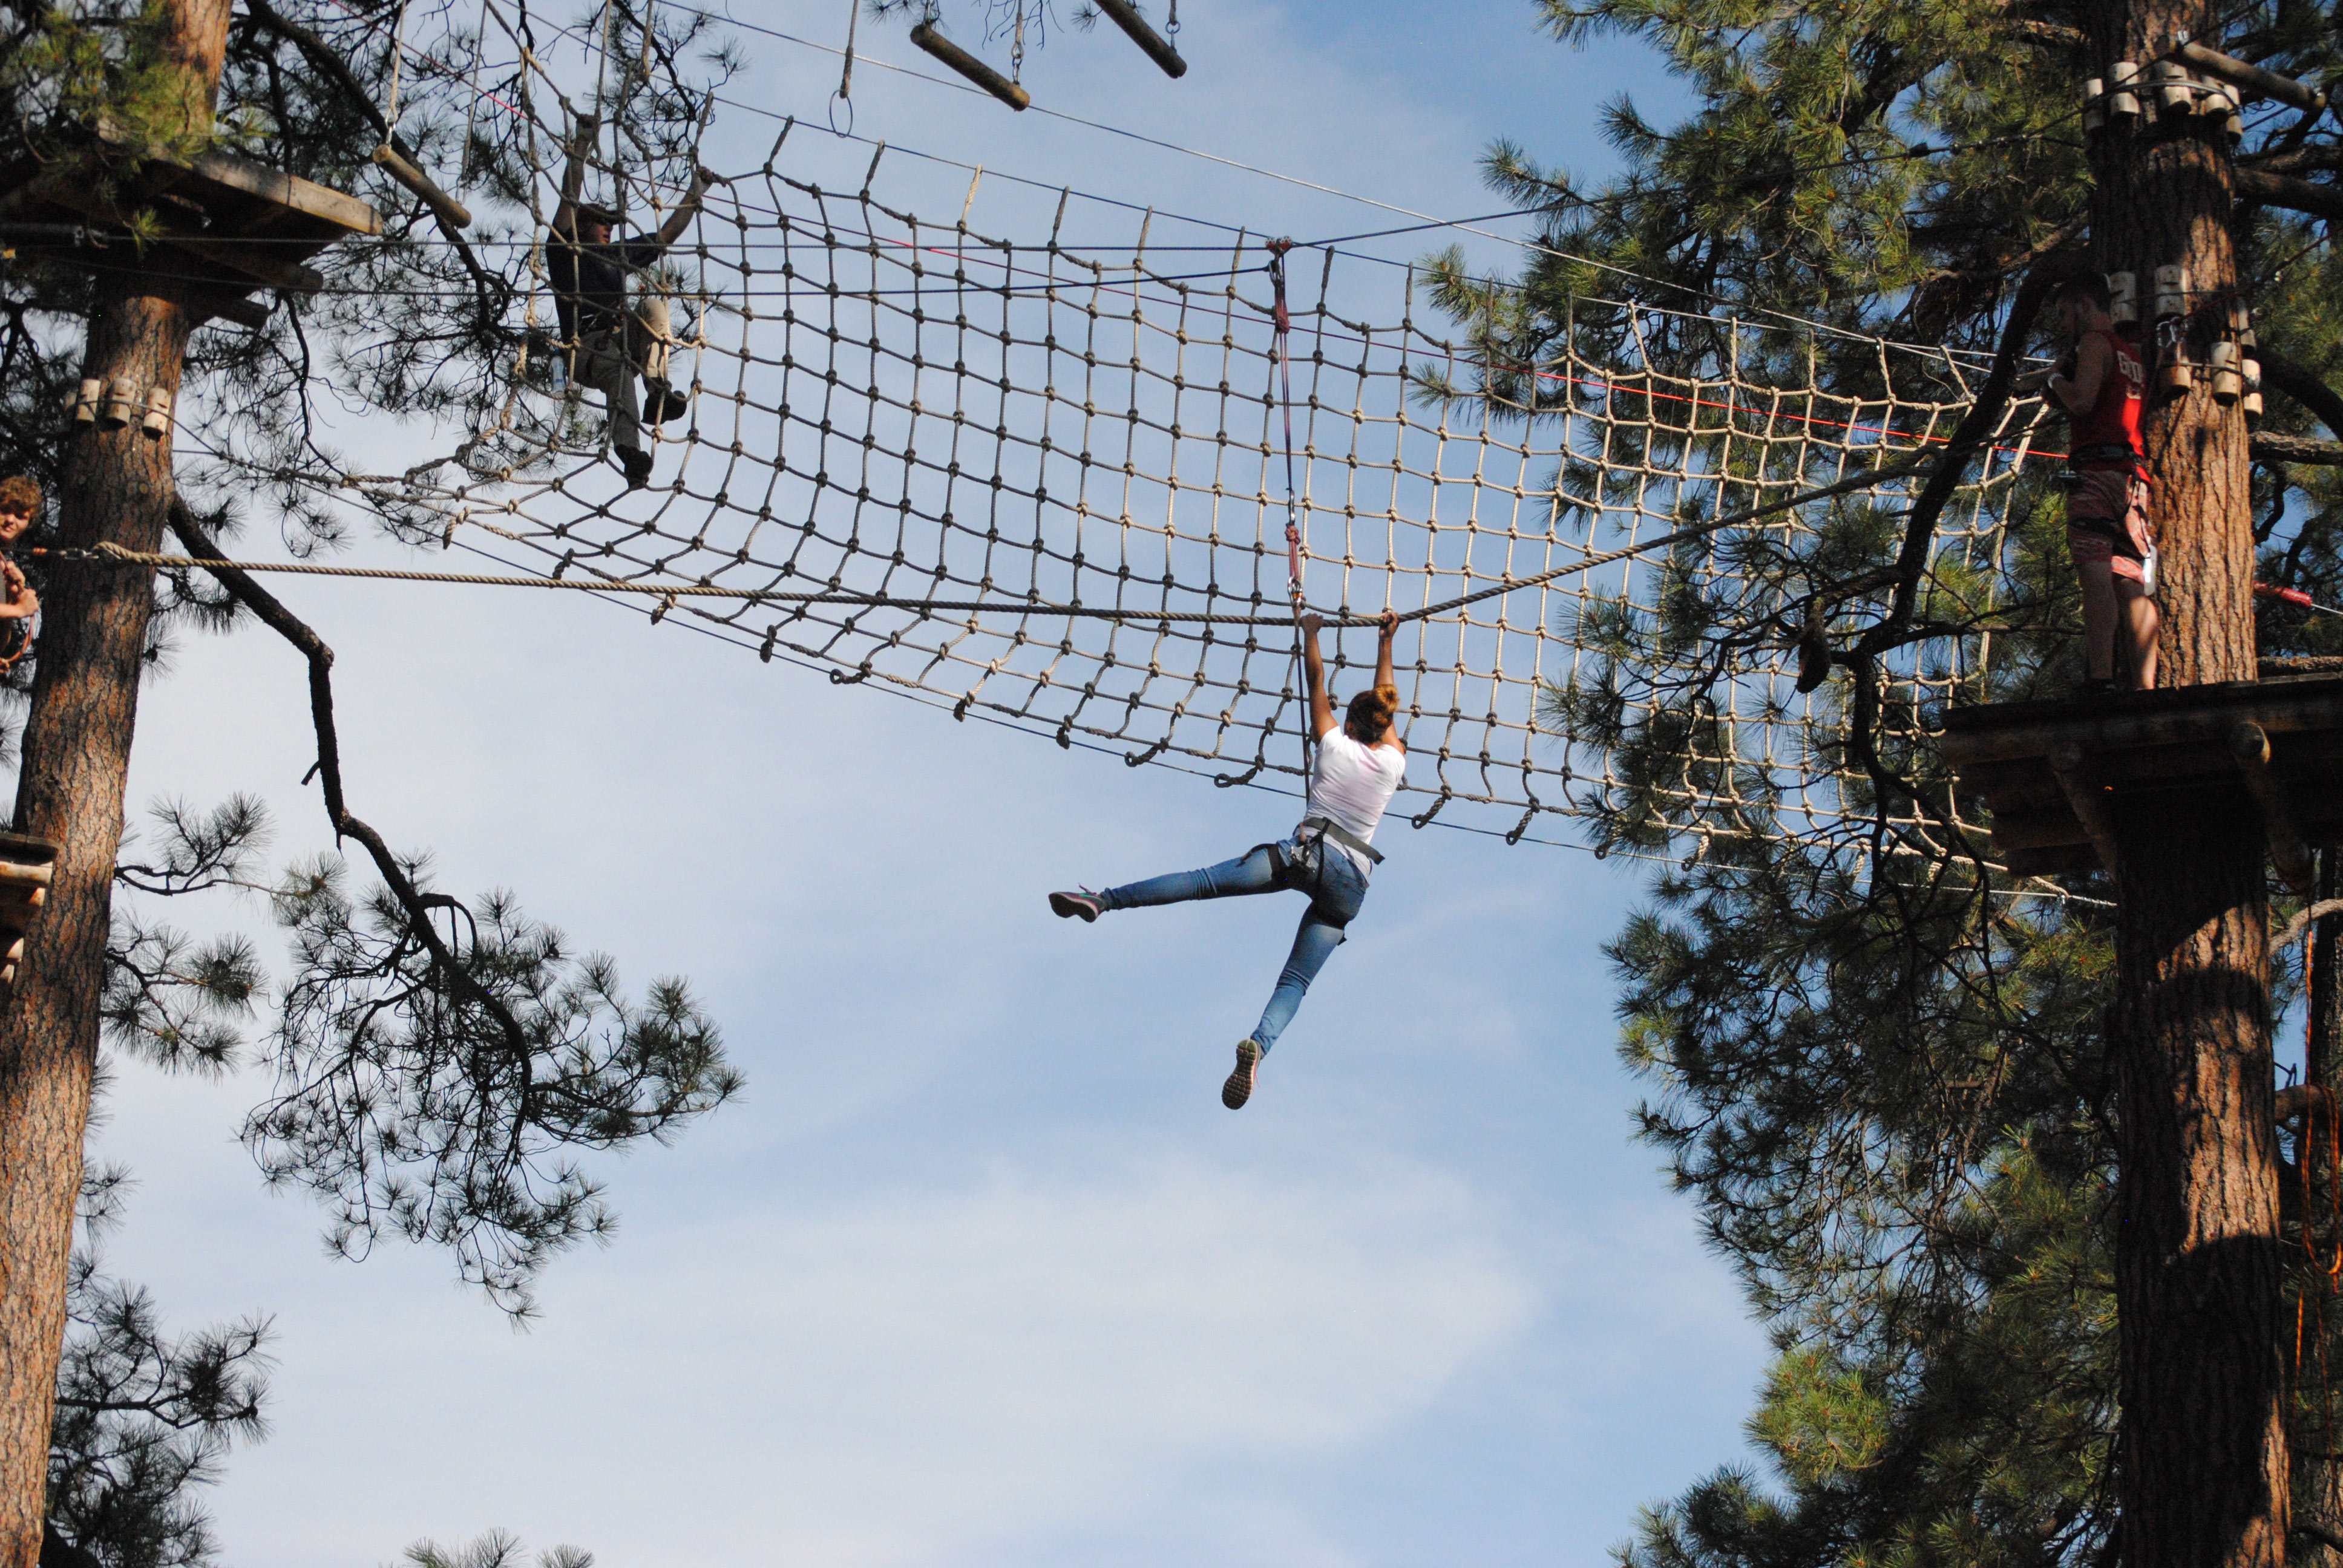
(1284, 321)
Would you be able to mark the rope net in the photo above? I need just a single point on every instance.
(1043, 479)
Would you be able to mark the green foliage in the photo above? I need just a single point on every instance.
(399, 1100)
(143, 1417)
(1878, 1062)
(437, 1085)
(496, 1549)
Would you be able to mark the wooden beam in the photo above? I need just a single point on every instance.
(250, 261)
(2251, 748)
(304, 196)
(2183, 716)
(2089, 801)
(2038, 829)
(233, 308)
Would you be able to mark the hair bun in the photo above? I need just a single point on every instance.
(1387, 698)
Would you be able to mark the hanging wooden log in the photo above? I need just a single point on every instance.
(935, 43)
(1123, 14)
(449, 209)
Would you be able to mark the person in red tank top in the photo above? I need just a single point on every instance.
(2103, 386)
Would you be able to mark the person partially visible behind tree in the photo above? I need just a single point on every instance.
(1355, 772)
(20, 507)
(2102, 384)
(610, 344)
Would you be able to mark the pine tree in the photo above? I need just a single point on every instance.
(143, 1418)
(1887, 1077)
(439, 1063)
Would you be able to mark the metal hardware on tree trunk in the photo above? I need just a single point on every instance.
(2175, 93)
(158, 423)
(2123, 103)
(2229, 383)
(121, 404)
(84, 402)
(2171, 292)
(2123, 297)
(2094, 104)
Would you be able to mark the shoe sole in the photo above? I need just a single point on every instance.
(1239, 1086)
(1066, 906)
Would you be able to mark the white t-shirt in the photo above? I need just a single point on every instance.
(1349, 785)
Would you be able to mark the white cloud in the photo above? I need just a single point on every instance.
(929, 1373)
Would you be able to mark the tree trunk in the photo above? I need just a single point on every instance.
(118, 487)
(2203, 1465)
(2318, 1441)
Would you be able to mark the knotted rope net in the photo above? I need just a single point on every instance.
(1041, 477)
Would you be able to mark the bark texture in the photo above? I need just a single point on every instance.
(118, 487)
(2203, 1452)
(2318, 1464)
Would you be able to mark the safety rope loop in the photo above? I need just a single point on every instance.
(1283, 317)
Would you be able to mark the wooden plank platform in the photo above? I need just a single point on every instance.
(231, 225)
(2049, 772)
(26, 864)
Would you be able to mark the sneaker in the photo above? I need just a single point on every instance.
(1239, 1086)
(638, 464)
(663, 405)
(1085, 904)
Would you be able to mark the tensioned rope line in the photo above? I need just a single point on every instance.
(530, 62)
(118, 555)
(1463, 225)
(958, 458)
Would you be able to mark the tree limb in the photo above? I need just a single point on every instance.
(2265, 190)
(2287, 376)
(2319, 1532)
(2293, 930)
(2270, 447)
(322, 55)
(1975, 426)
(295, 630)
(2051, 32)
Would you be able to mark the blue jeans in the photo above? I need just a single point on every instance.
(1335, 899)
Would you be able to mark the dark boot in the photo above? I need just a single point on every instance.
(638, 464)
(662, 403)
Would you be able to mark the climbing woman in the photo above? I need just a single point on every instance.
(1352, 777)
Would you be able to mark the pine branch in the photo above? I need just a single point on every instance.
(418, 905)
(2272, 447)
(2283, 374)
(2317, 1533)
(338, 70)
(2263, 189)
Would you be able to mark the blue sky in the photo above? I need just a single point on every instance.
(980, 1271)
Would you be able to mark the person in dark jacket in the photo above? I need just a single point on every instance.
(610, 344)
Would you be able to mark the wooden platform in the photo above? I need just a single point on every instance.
(26, 866)
(233, 224)
(2048, 771)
